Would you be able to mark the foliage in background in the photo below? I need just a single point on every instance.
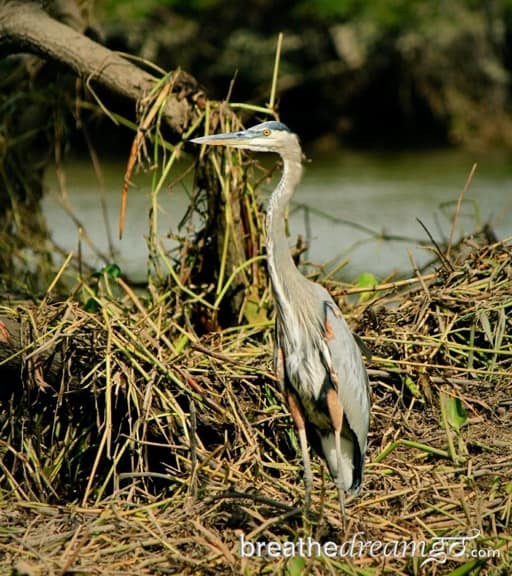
(397, 73)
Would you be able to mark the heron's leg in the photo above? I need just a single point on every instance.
(298, 417)
(336, 414)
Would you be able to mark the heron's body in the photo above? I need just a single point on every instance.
(314, 371)
(317, 360)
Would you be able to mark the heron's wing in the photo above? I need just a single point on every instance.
(363, 346)
(347, 371)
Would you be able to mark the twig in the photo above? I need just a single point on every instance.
(275, 75)
(439, 252)
(457, 210)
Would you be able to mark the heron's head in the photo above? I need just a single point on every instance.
(266, 137)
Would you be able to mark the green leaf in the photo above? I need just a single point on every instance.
(254, 312)
(112, 270)
(92, 305)
(414, 389)
(456, 415)
(295, 566)
(467, 568)
(366, 280)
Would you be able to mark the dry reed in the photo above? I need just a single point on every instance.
(140, 444)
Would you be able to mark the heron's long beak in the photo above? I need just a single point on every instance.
(227, 139)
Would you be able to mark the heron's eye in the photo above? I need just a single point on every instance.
(267, 132)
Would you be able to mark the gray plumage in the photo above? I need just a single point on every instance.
(317, 359)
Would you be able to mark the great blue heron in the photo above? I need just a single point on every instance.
(317, 359)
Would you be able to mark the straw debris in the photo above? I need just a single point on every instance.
(141, 438)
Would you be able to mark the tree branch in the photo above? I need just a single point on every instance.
(25, 27)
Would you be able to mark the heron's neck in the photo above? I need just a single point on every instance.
(284, 275)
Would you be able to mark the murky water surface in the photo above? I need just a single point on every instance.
(346, 205)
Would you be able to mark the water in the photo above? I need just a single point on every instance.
(345, 205)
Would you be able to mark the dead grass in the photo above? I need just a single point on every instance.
(146, 440)
(155, 449)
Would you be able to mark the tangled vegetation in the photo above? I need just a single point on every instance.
(148, 438)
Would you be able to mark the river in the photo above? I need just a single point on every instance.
(347, 204)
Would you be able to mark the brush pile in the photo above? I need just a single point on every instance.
(136, 447)
(138, 437)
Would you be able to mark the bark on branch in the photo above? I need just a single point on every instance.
(25, 27)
